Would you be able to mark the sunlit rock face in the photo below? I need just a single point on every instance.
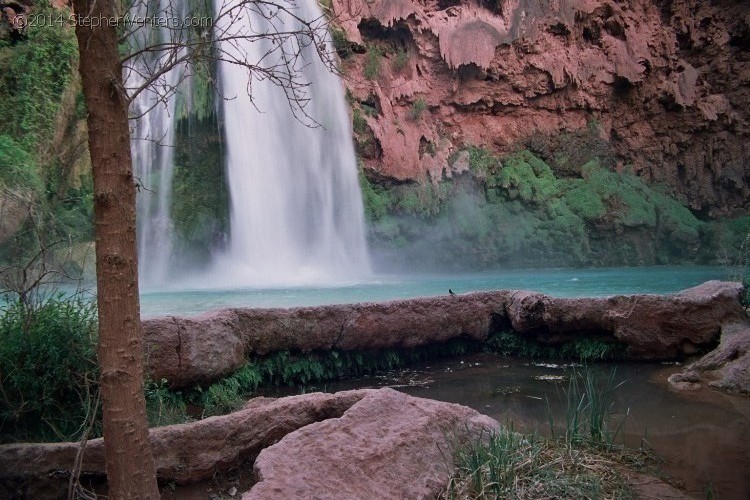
(664, 82)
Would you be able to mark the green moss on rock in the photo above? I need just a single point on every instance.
(518, 211)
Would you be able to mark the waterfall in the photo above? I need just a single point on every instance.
(296, 214)
(152, 146)
(296, 208)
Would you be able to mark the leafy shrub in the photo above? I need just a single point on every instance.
(48, 370)
(375, 199)
(36, 75)
(482, 160)
(372, 63)
(163, 406)
(640, 209)
(340, 43)
(32, 80)
(17, 166)
(680, 223)
(585, 203)
(521, 213)
(359, 124)
(417, 109)
(401, 59)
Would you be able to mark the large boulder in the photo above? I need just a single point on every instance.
(387, 445)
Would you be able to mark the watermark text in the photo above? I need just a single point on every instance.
(127, 21)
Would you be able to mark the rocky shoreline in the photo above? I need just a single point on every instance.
(186, 351)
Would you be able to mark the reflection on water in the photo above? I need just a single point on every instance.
(557, 282)
(702, 436)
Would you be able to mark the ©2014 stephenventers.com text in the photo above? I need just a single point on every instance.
(128, 20)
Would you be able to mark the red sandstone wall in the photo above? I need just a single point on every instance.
(666, 81)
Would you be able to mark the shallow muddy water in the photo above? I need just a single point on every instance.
(702, 436)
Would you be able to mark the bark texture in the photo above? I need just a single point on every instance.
(130, 464)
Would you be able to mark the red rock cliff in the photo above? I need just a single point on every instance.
(667, 82)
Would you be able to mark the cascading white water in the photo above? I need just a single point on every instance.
(296, 207)
(153, 168)
(152, 141)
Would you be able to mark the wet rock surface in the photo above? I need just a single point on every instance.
(190, 350)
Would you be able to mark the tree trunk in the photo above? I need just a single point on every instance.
(130, 463)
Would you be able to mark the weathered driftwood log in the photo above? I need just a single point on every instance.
(189, 350)
(184, 453)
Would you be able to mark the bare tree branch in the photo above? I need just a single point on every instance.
(153, 55)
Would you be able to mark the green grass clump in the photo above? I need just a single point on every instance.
(373, 59)
(417, 109)
(589, 402)
(586, 349)
(582, 463)
(401, 59)
(507, 464)
(48, 370)
(163, 406)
